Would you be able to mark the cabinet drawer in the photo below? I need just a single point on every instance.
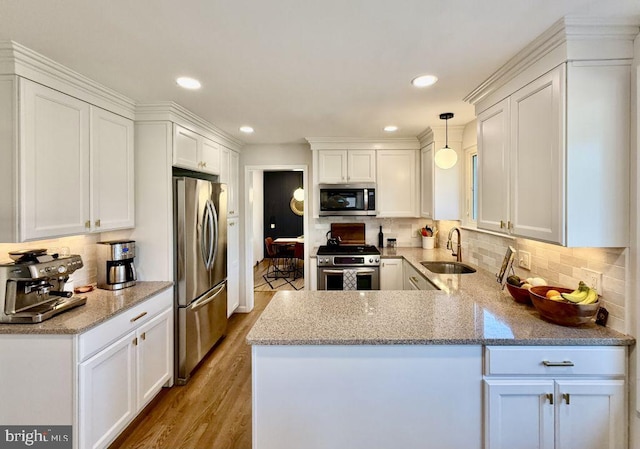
(100, 336)
(560, 360)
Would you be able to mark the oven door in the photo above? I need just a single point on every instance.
(350, 278)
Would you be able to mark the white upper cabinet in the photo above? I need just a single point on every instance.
(67, 162)
(553, 138)
(112, 171)
(195, 152)
(397, 187)
(53, 163)
(536, 160)
(493, 168)
(346, 166)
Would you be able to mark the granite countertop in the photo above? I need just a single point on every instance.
(469, 309)
(101, 305)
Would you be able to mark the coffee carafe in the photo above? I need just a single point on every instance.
(115, 264)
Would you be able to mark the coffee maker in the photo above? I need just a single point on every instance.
(32, 287)
(115, 264)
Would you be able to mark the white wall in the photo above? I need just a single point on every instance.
(257, 195)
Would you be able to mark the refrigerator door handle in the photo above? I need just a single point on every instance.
(216, 233)
(207, 299)
(210, 235)
(204, 237)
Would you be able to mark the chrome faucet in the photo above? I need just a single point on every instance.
(458, 254)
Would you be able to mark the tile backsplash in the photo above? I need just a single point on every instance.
(556, 264)
(84, 245)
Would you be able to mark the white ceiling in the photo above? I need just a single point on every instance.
(294, 68)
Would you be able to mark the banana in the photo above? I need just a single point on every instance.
(578, 295)
(592, 297)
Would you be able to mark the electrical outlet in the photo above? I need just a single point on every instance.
(593, 279)
(524, 260)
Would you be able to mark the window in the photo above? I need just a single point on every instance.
(471, 187)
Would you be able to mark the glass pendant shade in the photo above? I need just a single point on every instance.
(298, 194)
(446, 158)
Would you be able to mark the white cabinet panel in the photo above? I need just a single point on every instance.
(210, 157)
(233, 184)
(332, 166)
(107, 393)
(361, 166)
(54, 163)
(519, 414)
(155, 356)
(186, 153)
(346, 166)
(591, 414)
(493, 167)
(233, 265)
(397, 192)
(537, 166)
(112, 171)
(391, 274)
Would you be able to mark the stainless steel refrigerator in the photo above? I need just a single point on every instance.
(200, 232)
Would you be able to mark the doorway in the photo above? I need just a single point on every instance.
(274, 216)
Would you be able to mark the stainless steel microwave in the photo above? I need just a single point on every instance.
(347, 199)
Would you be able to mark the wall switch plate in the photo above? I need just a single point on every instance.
(524, 260)
(593, 279)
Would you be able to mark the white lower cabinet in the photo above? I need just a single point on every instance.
(391, 274)
(555, 397)
(120, 379)
(413, 279)
(107, 393)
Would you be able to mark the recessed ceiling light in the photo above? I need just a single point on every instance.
(424, 80)
(390, 128)
(246, 129)
(188, 83)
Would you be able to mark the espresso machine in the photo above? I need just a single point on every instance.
(115, 264)
(32, 287)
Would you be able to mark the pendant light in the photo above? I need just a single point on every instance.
(446, 157)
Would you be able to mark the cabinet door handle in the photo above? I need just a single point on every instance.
(87, 224)
(509, 225)
(136, 318)
(98, 223)
(565, 363)
(135, 341)
(567, 398)
(204, 164)
(143, 336)
(232, 223)
(501, 224)
(550, 397)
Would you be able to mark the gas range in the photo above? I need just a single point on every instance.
(348, 256)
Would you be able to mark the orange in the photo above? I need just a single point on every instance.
(552, 293)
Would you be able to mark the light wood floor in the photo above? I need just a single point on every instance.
(261, 283)
(213, 411)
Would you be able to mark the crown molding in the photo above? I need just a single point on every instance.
(173, 112)
(358, 143)
(438, 133)
(571, 38)
(16, 59)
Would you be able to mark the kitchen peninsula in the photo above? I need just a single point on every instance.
(381, 369)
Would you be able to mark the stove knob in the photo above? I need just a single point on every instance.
(377, 259)
(62, 269)
(371, 260)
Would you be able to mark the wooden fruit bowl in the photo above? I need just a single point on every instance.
(564, 313)
(520, 295)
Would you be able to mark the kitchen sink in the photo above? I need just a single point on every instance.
(448, 267)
